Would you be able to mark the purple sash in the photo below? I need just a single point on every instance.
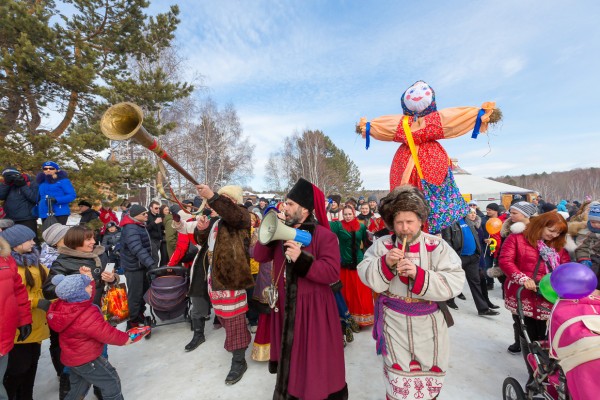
(399, 306)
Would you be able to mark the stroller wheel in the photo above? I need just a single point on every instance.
(512, 390)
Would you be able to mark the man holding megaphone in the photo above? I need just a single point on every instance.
(304, 318)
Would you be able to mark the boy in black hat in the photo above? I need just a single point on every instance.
(87, 212)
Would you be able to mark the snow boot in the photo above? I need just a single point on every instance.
(515, 348)
(354, 325)
(198, 338)
(349, 336)
(64, 386)
(238, 367)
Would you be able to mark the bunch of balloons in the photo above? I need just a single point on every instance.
(568, 281)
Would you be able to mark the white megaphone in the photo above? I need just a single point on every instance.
(272, 228)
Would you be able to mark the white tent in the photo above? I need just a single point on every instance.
(486, 191)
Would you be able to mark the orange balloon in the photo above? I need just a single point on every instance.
(493, 225)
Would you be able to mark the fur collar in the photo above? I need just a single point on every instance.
(518, 227)
(509, 227)
(4, 248)
(475, 223)
(309, 224)
(41, 177)
(570, 244)
(67, 251)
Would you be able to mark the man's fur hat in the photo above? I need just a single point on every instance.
(403, 198)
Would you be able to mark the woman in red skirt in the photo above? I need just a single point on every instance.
(352, 236)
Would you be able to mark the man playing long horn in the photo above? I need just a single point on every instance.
(229, 274)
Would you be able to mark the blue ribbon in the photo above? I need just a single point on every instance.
(368, 135)
(477, 124)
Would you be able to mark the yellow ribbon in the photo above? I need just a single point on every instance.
(411, 144)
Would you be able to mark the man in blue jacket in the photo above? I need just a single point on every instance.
(136, 260)
(20, 195)
(464, 239)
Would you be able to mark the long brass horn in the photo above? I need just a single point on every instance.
(124, 121)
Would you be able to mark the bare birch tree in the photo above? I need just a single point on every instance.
(313, 156)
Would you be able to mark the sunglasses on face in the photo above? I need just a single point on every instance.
(49, 169)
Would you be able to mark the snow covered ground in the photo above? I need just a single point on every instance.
(159, 368)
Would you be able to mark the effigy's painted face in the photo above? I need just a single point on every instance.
(418, 97)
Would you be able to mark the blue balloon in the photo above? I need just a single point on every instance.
(573, 281)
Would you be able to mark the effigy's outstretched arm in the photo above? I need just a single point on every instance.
(457, 121)
(381, 128)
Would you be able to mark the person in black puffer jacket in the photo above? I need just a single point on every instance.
(136, 259)
(20, 195)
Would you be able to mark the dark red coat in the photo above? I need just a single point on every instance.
(83, 331)
(15, 308)
(518, 260)
(306, 339)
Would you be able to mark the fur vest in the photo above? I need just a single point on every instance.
(230, 264)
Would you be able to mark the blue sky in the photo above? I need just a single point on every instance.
(290, 66)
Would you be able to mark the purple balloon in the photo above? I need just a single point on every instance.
(573, 280)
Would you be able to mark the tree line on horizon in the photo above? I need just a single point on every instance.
(575, 184)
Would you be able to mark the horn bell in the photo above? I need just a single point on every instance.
(122, 121)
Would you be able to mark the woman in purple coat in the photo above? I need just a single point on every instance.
(306, 341)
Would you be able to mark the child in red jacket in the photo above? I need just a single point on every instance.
(83, 334)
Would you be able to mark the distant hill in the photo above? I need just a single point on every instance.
(555, 186)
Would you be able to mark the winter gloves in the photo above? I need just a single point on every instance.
(24, 332)
(14, 178)
(43, 304)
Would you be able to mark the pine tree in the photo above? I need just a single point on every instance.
(62, 65)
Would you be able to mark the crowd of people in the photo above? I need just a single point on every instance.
(370, 264)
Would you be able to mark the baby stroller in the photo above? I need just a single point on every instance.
(549, 380)
(167, 296)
